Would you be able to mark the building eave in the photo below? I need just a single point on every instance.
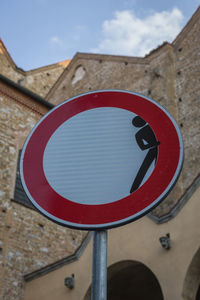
(26, 91)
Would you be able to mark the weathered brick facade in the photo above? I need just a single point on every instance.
(169, 75)
(28, 241)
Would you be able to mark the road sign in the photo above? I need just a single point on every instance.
(101, 159)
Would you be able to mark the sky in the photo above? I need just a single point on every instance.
(42, 32)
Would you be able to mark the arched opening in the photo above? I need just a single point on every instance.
(191, 286)
(198, 294)
(128, 280)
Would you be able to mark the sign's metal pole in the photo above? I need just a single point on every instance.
(99, 266)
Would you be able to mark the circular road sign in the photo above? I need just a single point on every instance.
(101, 159)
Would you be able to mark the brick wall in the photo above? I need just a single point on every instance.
(28, 241)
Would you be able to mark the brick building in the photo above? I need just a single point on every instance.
(36, 254)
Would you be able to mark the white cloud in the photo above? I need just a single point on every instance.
(79, 32)
(55, 40)
(127, 34)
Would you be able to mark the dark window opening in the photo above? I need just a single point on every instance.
(198, 294)
(19, 194)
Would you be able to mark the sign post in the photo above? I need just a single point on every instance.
(101, 160)
(99, 265)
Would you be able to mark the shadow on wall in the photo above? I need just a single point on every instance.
(191, 287)
(131, 280)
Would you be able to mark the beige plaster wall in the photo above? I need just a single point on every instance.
(138, 241)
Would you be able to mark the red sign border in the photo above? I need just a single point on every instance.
(122, 211)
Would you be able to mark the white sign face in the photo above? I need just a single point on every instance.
(94, 156)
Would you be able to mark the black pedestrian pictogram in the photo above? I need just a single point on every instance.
(145, 139)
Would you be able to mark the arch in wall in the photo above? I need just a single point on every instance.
(131, 280)
(191, 286)
(198, 294)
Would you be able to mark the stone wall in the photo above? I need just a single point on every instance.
(187, 83)
(88, 72)
(28, 241)
(169, 75)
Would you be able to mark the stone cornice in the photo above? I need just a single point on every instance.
(179, 205)
(60, 263)
(25, 91)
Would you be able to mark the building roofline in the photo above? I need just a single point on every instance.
(64, 63)
(186, 28)
(27, 72)
(27, 92)
(99, 57)
(6, 52)
(157, 49)
(110, 57)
